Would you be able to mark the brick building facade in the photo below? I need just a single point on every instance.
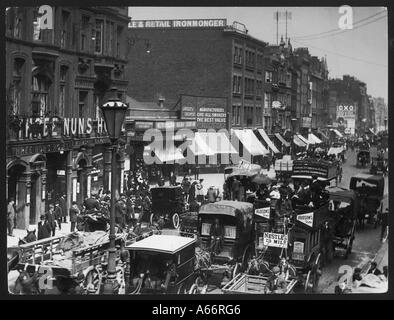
(60, 63)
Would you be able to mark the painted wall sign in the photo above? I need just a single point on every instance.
(184, 23)
(208, 112)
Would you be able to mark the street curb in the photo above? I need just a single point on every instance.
(378, 257)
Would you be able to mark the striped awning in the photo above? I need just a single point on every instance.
(218, 142)
(282, 140)
(337, 133)
(304, 140)
(298, 141)
(199, 147)
(313, 139)
(268, 141)
(168, 154)
(250, 142)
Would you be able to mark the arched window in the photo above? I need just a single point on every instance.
(63, 90)
(16, 85)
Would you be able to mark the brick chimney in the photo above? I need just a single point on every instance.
(161, 102)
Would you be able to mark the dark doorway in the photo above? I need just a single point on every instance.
(34, 193)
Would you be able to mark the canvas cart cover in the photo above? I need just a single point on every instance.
(268, 141)
(341, 194)
(335, 151)
(308, 167)
(235, 209)
(369, 178)
(250, 142)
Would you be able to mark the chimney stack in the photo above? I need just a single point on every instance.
(161, 102)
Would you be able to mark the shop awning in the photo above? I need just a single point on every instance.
(199, 146)
(250, 142)
(323, 135)
(268, 141)
(218, 142)
(166, 154)
(337, 133)
(298, 141)
(312, 137)
(304, 140)
(282, 140)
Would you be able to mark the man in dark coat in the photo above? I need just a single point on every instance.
(217, 234)
(63, 206)
(11, 216)
(50, 217)
(120, 212)
(74, 211)
(326, 238)
(44, 229)
(91, 203)
(58, 215)
(173, 179)
(192, 192)
(235, 189)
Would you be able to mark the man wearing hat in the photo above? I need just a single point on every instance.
(74, 212)
(50, 217)
(275, 283)
(11, 216)
(63, 206)
(58, 215)
(44, 229)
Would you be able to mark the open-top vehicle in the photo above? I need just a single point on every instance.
(167, 201)
(162, 261)
(370, 192)
(379, 162)
(226, 232)
(343, 208)
(305, 169)
(65, 256)
(244, 283)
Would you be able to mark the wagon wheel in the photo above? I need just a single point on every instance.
(292, 271)
(176, 221)
(120, 278)
(92, 282)
(151, 218)
(193, 289)
(247, 255)
(181, 289)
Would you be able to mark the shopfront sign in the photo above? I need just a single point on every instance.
(143, 125)
(61, 172)
(208, 112)
(346, 111)
(184, 23)
(175, 125)
(56, 127)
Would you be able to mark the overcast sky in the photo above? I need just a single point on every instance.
(361, 52)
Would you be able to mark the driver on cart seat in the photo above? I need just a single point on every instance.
(217, 234)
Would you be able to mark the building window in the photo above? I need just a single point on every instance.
(237, 84)
(40, 94)
(82, 103)
(98, 44)
(63, 90)
(17, 31)
(268, 76)
(267, 100)
(259, 88)
(236, 50)
(259, 62)
(64, 29)
(259, 115)
(240, 56)
(110, 33)
(119, 39)
(36, 26)
(234, 115)
(84, 45)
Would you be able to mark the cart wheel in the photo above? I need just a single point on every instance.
(236, 270)
(92, 282)
(246, 257)
(175, 221)
(151, 218)
(311, 282)
(181, 289)
(193, 289)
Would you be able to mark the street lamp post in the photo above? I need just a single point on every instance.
(114, 112)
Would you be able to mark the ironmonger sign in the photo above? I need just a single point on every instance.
(183, 23)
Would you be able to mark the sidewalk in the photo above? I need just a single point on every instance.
(21, 233)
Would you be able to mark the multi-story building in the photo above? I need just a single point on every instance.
(60, 64)
(204, 58)
(381, 113)
(349, 92)
(312, 95)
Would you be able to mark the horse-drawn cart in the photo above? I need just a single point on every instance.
(68, 256)
(250, 284)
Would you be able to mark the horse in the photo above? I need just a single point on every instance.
(30, 237)
(26, 283)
